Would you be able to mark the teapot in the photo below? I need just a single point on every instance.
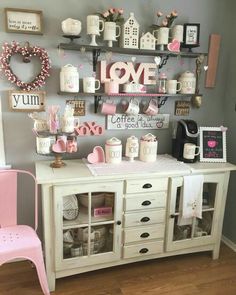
(71, 27)
(188, 81)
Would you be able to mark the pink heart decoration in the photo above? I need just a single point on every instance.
(174, 46)
(59, 146)
(211, 143)
(97, 156)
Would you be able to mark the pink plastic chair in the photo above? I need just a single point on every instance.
(19, 241)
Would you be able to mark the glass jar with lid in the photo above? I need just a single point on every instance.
(162, 83)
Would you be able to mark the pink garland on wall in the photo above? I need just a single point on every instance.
(27, 51)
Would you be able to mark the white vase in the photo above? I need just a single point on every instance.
(111, 32)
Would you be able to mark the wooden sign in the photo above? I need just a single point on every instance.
(89, 128)
(23, 21)
(122, 72)
(182, 108)
(140, 121)
(27, 101)
(212, 144)
(78, 105)
(213, 56)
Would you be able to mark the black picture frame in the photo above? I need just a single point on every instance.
(191, 37)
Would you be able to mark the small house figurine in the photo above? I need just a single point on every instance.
(130, 33)
(147, 41)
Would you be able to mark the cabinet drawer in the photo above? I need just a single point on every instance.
(146, 185)
(143, 249)
(144, 233)
(145, 201)
(144, 218)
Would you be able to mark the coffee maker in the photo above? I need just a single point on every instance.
(186, 132)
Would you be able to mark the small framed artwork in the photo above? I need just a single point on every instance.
(23, 21)
(213, 144)
(78, 105)
(191, 36)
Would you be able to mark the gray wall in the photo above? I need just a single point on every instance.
(213, 15)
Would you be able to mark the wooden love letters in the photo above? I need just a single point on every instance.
(122, 72)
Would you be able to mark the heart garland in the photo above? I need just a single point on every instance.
(27, 51)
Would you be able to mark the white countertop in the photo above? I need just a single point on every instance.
(77, 170)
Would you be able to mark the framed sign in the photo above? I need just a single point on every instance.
(140, 121)
(23, 21)
(27, 101)
(191, 35)
(78, 105)
(212, 144)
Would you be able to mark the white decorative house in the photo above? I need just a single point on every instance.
(148, 41)
(130, 33)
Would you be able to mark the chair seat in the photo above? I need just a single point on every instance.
(13, 239)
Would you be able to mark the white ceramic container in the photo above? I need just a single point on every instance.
(132, 147)
(69, 79)
(71, 27)
(113, 151)
(188, 82)
(148, 148)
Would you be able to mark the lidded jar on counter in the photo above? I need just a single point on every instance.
(148, 148)
(162, 83)
(69, 79)
(113, 151)
(131, 148)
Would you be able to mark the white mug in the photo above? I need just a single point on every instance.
(132, 108)
(68, 124)
(111, 31)
(89, 84)
(190, 151)
(177, 33)
(43, 145)
(172, 86)
(93, 25)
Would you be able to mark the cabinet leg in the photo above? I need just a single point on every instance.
(51, 281)
(216, 252)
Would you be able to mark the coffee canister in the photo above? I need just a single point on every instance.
(148, 148)
(132, 147)
(69, 79)
(113, 151)
(188, 81)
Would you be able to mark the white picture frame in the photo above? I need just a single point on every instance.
(213, 144)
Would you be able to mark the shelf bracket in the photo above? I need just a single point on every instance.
(97, 98)
(96, 54)
(164, 60)
(162, 101)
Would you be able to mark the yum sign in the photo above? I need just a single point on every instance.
(122, 72)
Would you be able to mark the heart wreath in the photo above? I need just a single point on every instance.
(27, 51)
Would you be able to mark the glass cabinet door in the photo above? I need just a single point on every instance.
(197, 231)
(87, 223)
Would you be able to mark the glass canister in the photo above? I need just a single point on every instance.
(69, 79)
(148, 148)
(162, 83)
(132, 148)
(113, 151)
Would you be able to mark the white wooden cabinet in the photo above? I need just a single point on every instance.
(142, 224)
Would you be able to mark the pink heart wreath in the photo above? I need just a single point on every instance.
(27, 51)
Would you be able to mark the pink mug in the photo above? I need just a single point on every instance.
(108, 108)
(152, 108)
(111, 86)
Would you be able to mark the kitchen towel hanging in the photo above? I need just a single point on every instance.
(191, 199)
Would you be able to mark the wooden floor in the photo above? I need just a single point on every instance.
(180, 275)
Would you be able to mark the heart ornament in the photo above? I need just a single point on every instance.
(97, 156)
(174, 46)
(59, 146)
(157, 60)
(27, 52)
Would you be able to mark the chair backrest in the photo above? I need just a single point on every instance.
(8, 197)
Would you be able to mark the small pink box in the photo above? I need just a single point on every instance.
(102, 211)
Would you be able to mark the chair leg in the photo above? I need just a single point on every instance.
(37, 259)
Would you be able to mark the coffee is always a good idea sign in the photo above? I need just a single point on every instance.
(213, 144)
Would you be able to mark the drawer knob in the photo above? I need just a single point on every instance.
(147, 185)
(144, 235)
(146, 203)
(145, 219)
(118, 222)
(143, 250)
(172, 216)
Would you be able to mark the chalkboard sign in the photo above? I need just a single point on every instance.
(212, 144)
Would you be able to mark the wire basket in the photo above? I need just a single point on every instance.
(70, 207)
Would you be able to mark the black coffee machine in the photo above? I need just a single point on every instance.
(186, 131)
